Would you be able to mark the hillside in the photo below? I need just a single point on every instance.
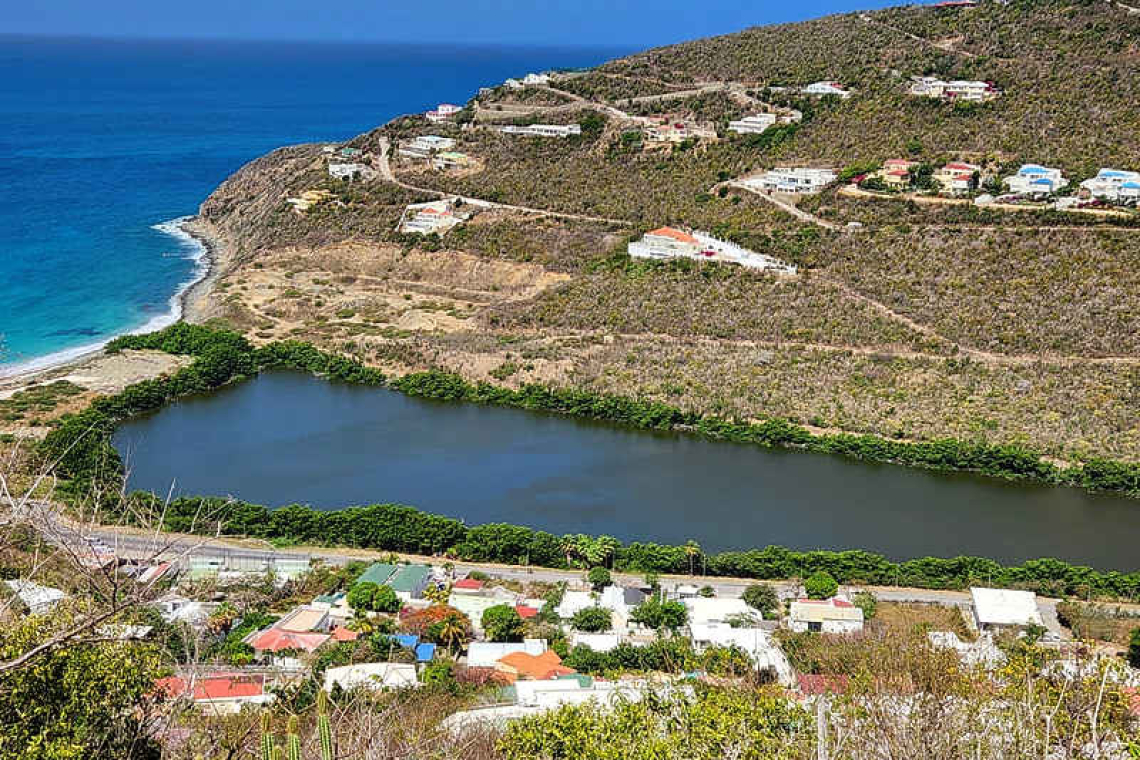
(925, 321)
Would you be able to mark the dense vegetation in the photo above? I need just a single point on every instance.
(221, 357)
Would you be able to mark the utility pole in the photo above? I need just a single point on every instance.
(821, 728)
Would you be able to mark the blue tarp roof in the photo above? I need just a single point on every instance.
(425, 652)
(407, 639)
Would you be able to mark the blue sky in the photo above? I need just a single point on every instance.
(613, 23)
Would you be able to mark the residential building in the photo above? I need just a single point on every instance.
(485, 654)
(424, 146)
(827, 88)
(665, 243)
(1036, 181)
(306, 620)
(378, 573)
(998, 609)
(793, 180)
(236, 564)
(513, 84)
(542, 130)
(409, 581)
(958, 89)
(957, 178)
(374, 676)
(38, 599)
(531, 80)
(535, 667)
(423, 650)
(174, 608)
(756, 642)
(599, 642)
(217, 694)
(467, 586)
(270, 642)
(351, 171)
(443, 112)
(434, 216)
(300, 205)
(715, 609)
(835, 615)
(896, 172)
(753, 125)
(574, 602)
(450, 159)
(1114, 185)
(473, 605)
(671, 131)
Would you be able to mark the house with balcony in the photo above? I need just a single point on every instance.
(424, 147)
(351, 171)
(1113, 186)
(1036, 181)
(672, 243)
(958, 178)
(443, 112)
(672, 131)
(835, 615)
(665, 243)
(793, 180)
(754, 124)
(432, 217)
(542, 130)
(896, 173)
(958, 89)
(450, 159)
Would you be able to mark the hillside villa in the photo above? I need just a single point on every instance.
(443, 112)
(958, 178)
(754, 124)
(896, 173)
(542, 130)
(671, 243)
(835, 615)
(218, 693)
(999, 609)
(673, 131)
(1113, 185)
(351, 171)
(958, 89)
(450, 159)
(826, 88)
(1036, 181)
(433, 216)
(792, 180)
(424, 146)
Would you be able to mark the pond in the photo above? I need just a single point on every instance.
(290, 438)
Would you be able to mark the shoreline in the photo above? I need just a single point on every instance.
(187, 303)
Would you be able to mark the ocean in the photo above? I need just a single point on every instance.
(106, 144)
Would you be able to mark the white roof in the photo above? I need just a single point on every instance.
(34, 595)
(702, 610)
(1003, 606)
(574, 601)
(484, 654)
(599, 642)
(374, 675)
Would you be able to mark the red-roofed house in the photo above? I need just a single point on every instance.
(273, 641)
(220, 694)
(542, 667)
(341, 634)
(958, 178)
(467, 585)
(835, 615)
(665, 243)
(525, 612)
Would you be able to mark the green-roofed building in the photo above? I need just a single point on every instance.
(409, 581)
(378, 573)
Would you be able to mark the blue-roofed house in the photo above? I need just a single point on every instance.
(424, 651)
(1036, 181)
(1113, 185)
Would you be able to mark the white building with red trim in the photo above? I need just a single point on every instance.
(834, 615)
(443, 112)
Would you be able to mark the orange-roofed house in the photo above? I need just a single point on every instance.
(221, 694)
(540, 667)
(665, 243)
(340, 634)
(272, 642)
(526, 612)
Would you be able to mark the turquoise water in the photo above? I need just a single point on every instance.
(104, 143)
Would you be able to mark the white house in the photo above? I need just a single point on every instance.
(217, 694)
(997, 609)
(1036, 181)
(38, 599)
(757, 643)
(670, 131)
(958, 89)
(474, 603)
(531, 80)
(574, 602)
(753, 125)
(542, 130)
(715, 609)
(599, 642)
(433, 216)
(665, 243)
(351, 171)
(443, 112)
(1113, 185)
(793, 180)
(827, 88)
(958, 178)
(671, 243)
(513, 84)
(835, 615)
(424, 146)
(372, 675)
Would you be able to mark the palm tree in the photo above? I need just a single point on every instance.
(569, 548)
(452, 632)
(692, 551)
(607, 547)
(361, 622)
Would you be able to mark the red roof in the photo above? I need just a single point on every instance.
(468, 583)
(277, 640)
(669, 232)
(340, 633)
(541, 667)
(214, 687)
(525, 612)
(959, 167)
(829, 602)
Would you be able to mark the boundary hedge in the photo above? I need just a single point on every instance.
(81, 447)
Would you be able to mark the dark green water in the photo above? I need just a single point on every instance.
(289, 438)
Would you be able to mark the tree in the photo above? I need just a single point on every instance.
(660, 615)
(599, 578)
(708, 592)
(502, 623)
(453, 631)
(653, 581)
(372, 597)
(1134, 648)
(763, 598)
(593, 620)
(692, 551)
(820, 586)
(867, 602)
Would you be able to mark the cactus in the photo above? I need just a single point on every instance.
(266, 738)
(324, 731)
(278, 754)
(293, 740)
